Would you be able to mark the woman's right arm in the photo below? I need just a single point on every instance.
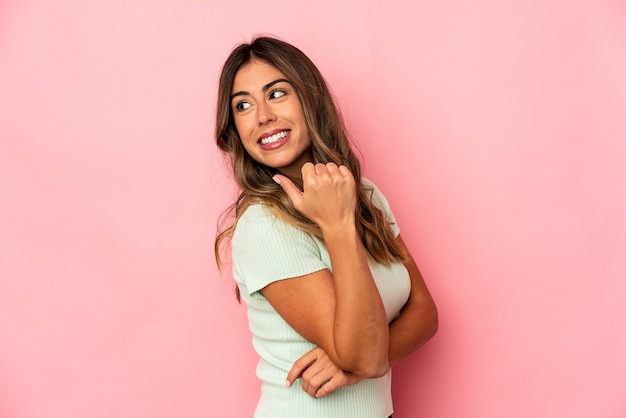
(342, 311)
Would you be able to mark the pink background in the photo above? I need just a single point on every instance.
(496, 129)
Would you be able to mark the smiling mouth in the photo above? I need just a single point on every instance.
(273, 138)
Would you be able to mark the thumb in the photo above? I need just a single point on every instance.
(294, 194)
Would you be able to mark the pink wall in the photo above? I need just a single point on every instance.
(496, 129)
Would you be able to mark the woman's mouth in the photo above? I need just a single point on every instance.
(270, 139)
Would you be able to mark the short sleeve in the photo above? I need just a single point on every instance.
(381, 202)
(266, 249)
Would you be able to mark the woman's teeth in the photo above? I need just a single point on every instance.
(274, 138)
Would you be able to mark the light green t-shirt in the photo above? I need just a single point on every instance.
(265, 250)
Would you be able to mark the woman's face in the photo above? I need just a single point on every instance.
(269, 119)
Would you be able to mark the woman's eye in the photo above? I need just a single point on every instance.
(241, 106)
(275, 94)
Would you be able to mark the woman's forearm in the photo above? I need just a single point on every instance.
(418, 320)
(412, 329)
(361, 332)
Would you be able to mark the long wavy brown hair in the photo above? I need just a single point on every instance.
(329, 143)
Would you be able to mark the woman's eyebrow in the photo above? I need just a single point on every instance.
(264, 88)
(271, 83)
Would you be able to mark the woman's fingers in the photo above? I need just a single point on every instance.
(345, 171)
(329, 194)
(337, 381)
(315, 376)
(300, 365)
(329, 387)
(329, 171)
(320, 376)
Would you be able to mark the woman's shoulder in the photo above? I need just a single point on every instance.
(366, 182)
(373, 192)
(259, 219)
(370, 186)
(255, 214)
(254, 210)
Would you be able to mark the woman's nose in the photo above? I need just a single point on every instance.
(265, 114)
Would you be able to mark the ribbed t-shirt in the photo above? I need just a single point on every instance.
(266, 249)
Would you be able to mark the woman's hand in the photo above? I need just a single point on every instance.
(329, 197)
(320, 376)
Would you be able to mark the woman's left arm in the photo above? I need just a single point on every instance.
(417, 321)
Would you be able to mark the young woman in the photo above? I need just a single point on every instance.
(334, 298)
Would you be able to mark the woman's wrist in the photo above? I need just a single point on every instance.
(339, 230)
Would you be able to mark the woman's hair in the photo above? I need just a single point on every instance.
(329, 143)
